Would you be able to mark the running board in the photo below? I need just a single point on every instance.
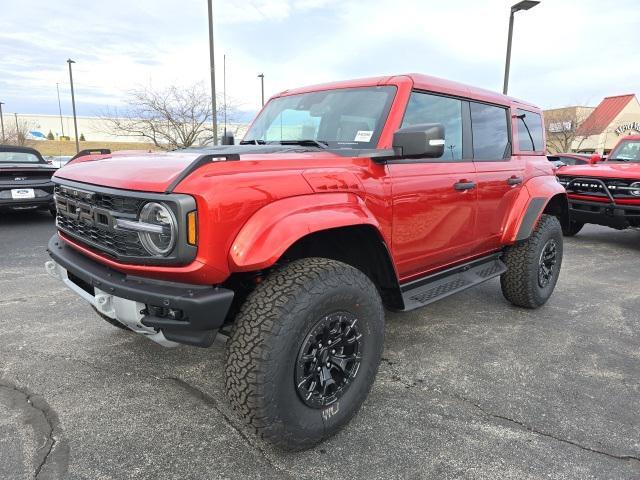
(430, 289)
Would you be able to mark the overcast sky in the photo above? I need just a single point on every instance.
(565, 51)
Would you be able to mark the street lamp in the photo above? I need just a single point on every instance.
(2, 122)
(73, 104)
(523, 5)
(214, 110)
(261, 77)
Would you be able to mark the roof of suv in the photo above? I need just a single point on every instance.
(420, 81)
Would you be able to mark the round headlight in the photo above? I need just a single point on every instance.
(635, 193)
(158, 243)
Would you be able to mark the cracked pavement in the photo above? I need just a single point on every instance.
(469, 387)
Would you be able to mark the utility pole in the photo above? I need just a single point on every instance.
(224, 90)
(60, 109)
(73, 104)
(15, 115)
(2, 122)
(523, 5)
(261, 77)
(214, 110)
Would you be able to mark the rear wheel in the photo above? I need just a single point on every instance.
(533, 265)
(571, 228)
(304, 351)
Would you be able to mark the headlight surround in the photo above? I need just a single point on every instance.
(158, 244)
(635, 193)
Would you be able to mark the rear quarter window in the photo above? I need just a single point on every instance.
(530, 137)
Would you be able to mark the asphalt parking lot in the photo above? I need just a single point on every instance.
(469, 387)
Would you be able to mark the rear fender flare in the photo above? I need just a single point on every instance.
(274, 228)
(531, 203)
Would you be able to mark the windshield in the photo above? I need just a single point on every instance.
(628, 151)
(344, 118)
(18, 157)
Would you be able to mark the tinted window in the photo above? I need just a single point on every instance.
(425, 108)
(529, 131)
(490, 133)
(572, 161)
(628, 151)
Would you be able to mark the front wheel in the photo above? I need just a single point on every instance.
(533, 265)
(304, 352)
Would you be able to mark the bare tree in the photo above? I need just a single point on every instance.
(565, 126)
(16, 132)
(174, 117)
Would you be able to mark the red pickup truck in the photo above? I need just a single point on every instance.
(605, 192)
(342, 200)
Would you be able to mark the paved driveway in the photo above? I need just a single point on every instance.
(469, 387)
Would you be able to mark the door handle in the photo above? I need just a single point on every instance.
(462, 185)
(514, 180)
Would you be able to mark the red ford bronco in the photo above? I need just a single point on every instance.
(605, 192)
(342, 200)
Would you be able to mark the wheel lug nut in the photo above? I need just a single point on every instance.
(333, 351)
(319, 345)
(329, 342)
(328, 364)
(318, 369)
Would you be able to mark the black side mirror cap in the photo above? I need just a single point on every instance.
(424, 140)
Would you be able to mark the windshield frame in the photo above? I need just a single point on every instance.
(623, 143)
(331, 144)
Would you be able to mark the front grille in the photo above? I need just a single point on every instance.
(619, 188)
(114, 242)
(88, 216)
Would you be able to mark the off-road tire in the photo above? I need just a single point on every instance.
(268, 334)
(113, 322)
(570, 228)
(520, 284)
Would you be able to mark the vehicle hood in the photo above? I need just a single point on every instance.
(157, 172)
(603, 170)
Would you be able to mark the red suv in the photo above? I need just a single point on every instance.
(342, 200)
(605, 192)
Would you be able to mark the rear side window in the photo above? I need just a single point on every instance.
(490, 132)
(529, 131)
(425, 108)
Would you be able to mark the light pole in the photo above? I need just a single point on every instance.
(214, 111)
(523, 5)
(261, 77)
(224, 90)
(2, 122)
(73, 104)
(60, 109)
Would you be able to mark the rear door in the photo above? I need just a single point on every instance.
(434, 199)
(500, 174)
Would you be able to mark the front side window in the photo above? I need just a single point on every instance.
(490, 132)
(529, 131)
(425, 108)
(342, 118)
(628, 151)
(18, 157)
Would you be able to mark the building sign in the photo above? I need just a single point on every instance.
(558, 127)
(625, 127)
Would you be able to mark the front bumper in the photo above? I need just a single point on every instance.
(167, 312)
(43, 197)
(616, 216)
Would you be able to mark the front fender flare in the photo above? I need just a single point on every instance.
(274, 228)
(529, 206)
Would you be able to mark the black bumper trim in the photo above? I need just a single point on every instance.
(204, 308)
(607, 214)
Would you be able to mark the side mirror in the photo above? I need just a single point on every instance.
(595, 158)
(424, 140)
(227, 139)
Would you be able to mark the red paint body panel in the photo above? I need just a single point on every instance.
(250, 211)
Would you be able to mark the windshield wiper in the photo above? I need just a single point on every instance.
(253, 142)
(306, 142)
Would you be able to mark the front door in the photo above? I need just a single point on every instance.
(434, 200)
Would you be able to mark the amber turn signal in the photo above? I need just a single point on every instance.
(192, 228)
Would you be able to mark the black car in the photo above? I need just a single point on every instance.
(25, 179)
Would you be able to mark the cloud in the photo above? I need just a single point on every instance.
(561, 54)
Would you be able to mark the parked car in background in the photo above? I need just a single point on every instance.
(605, 191)
(25, 179)
(341, 200)
(563, 159)
(58, 161)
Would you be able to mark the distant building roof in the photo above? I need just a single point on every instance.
(604, 114)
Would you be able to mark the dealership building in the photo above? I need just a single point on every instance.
(592, 130)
